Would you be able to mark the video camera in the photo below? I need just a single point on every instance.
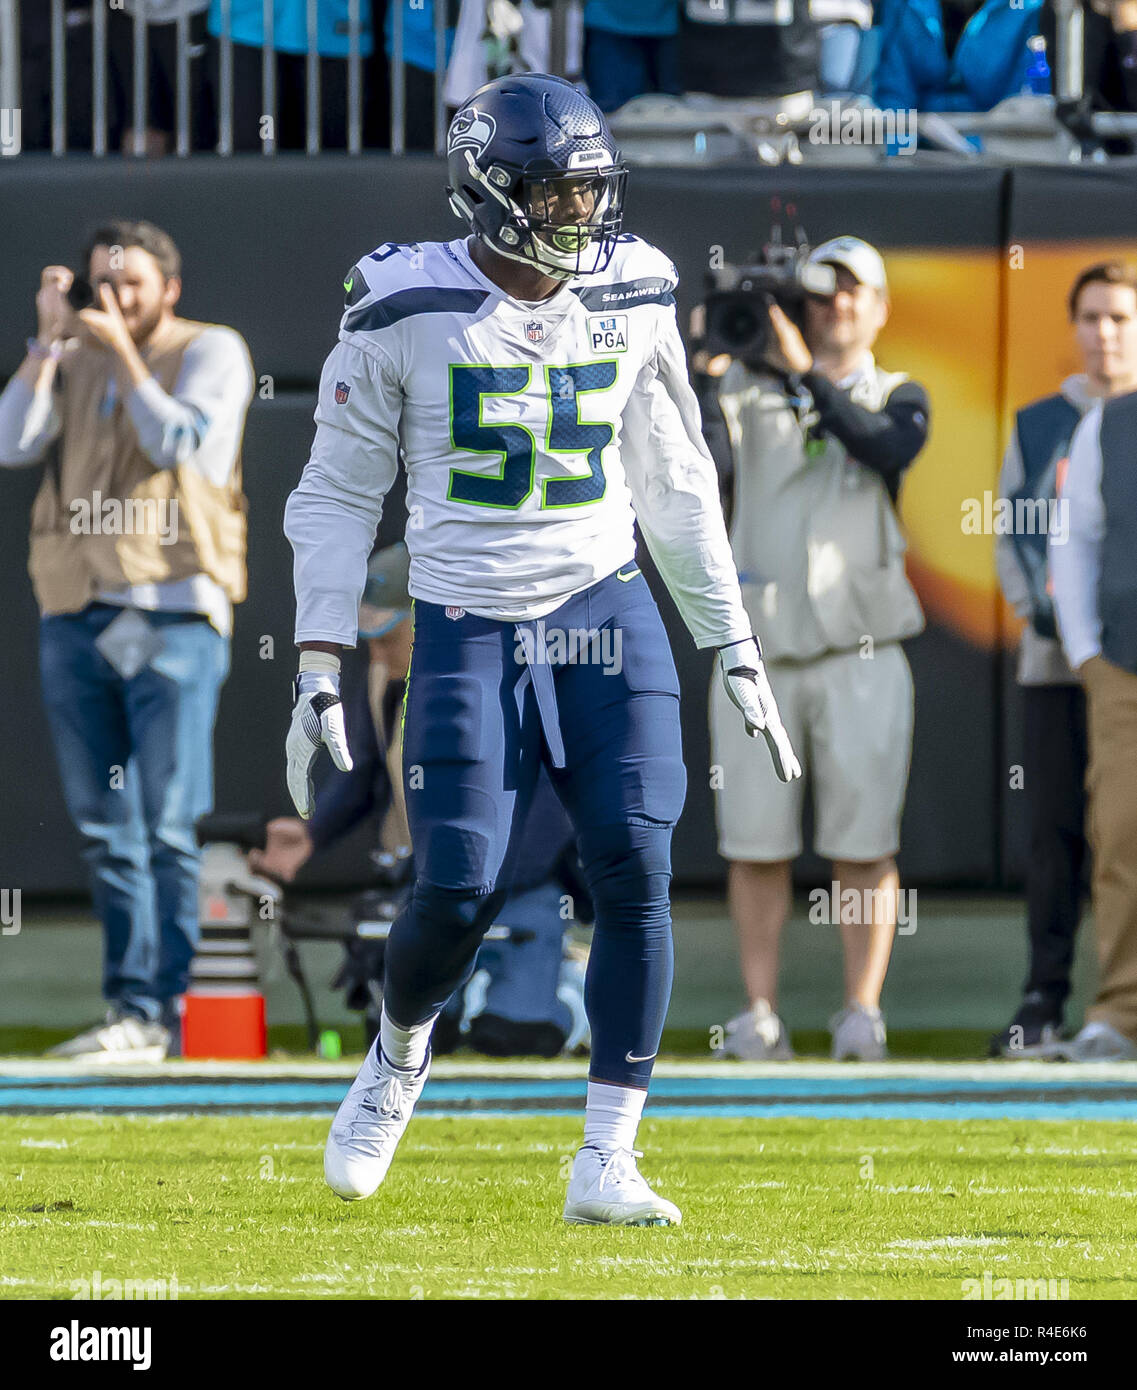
(739, 297)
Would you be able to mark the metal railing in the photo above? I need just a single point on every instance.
(1067, 67)
(10, 77)
(1069, 60)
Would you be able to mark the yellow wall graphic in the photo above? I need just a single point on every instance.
(986, 333)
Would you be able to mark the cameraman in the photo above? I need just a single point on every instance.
(821, 437)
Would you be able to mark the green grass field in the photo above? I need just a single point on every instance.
(233, 1206)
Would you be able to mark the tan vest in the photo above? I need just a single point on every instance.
(818, 547)
(100, 460)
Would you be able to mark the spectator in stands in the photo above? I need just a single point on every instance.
(821, 437)
(419, 64)
(1103, 310)
(630, 47)
(843, 25)
(497, 38)
(751, 49)
(290, 40)
(525, 1006)
(36, 79)
(953, 55)
(137, 556)
(78, 55)
(1109, 70)
(162, 74)
(1093, 567)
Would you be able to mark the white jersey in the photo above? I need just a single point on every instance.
(533, 436)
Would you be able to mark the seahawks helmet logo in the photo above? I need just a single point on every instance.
(471, 129)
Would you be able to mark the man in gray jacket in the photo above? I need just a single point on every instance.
(1103, 311)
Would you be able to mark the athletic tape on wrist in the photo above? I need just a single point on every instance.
(325, 662)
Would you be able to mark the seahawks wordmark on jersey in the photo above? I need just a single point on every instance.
(533, 435)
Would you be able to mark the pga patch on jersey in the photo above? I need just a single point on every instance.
(608, 332)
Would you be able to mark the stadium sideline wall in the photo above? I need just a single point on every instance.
(266, 243)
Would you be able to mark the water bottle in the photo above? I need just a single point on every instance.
(1037, 79)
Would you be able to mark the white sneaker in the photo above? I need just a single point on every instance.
(120, 1037)
(607, 1189)
(758, 1035)
(858, 1033)
(368, 1126)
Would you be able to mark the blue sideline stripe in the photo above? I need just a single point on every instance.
(253, 1095)
(1103, 1110)
(909, 1097)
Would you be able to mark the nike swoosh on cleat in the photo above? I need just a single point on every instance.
(625, 577)
(629, 1058)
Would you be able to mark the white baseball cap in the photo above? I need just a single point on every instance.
(857, 257)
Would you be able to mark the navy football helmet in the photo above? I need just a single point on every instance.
(535, 174)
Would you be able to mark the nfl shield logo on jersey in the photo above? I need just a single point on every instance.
(535, 331)
(343, 390)
(455, 613)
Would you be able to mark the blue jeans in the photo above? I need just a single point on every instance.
(136, 759)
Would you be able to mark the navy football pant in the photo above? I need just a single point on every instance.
(591, 690)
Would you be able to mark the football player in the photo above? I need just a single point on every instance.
(533, 379)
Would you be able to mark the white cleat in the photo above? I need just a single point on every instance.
(607, 1189)
(368, 1126)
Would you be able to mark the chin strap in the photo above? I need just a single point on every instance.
(554, 272)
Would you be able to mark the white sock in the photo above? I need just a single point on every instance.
(612, 1115)
(404, 1048)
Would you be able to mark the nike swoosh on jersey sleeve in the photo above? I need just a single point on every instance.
(401, 280)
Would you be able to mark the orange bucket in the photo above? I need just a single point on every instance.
(224, 1025)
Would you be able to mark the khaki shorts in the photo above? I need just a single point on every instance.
(850, 722)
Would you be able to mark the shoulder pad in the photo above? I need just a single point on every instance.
(393, 266)
(401, 279)
(635, 258)
(638, 273)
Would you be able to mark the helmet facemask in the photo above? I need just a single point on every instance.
(572, 219)
(563, 224)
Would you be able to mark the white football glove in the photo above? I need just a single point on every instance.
(749, 689)
(317, 719)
